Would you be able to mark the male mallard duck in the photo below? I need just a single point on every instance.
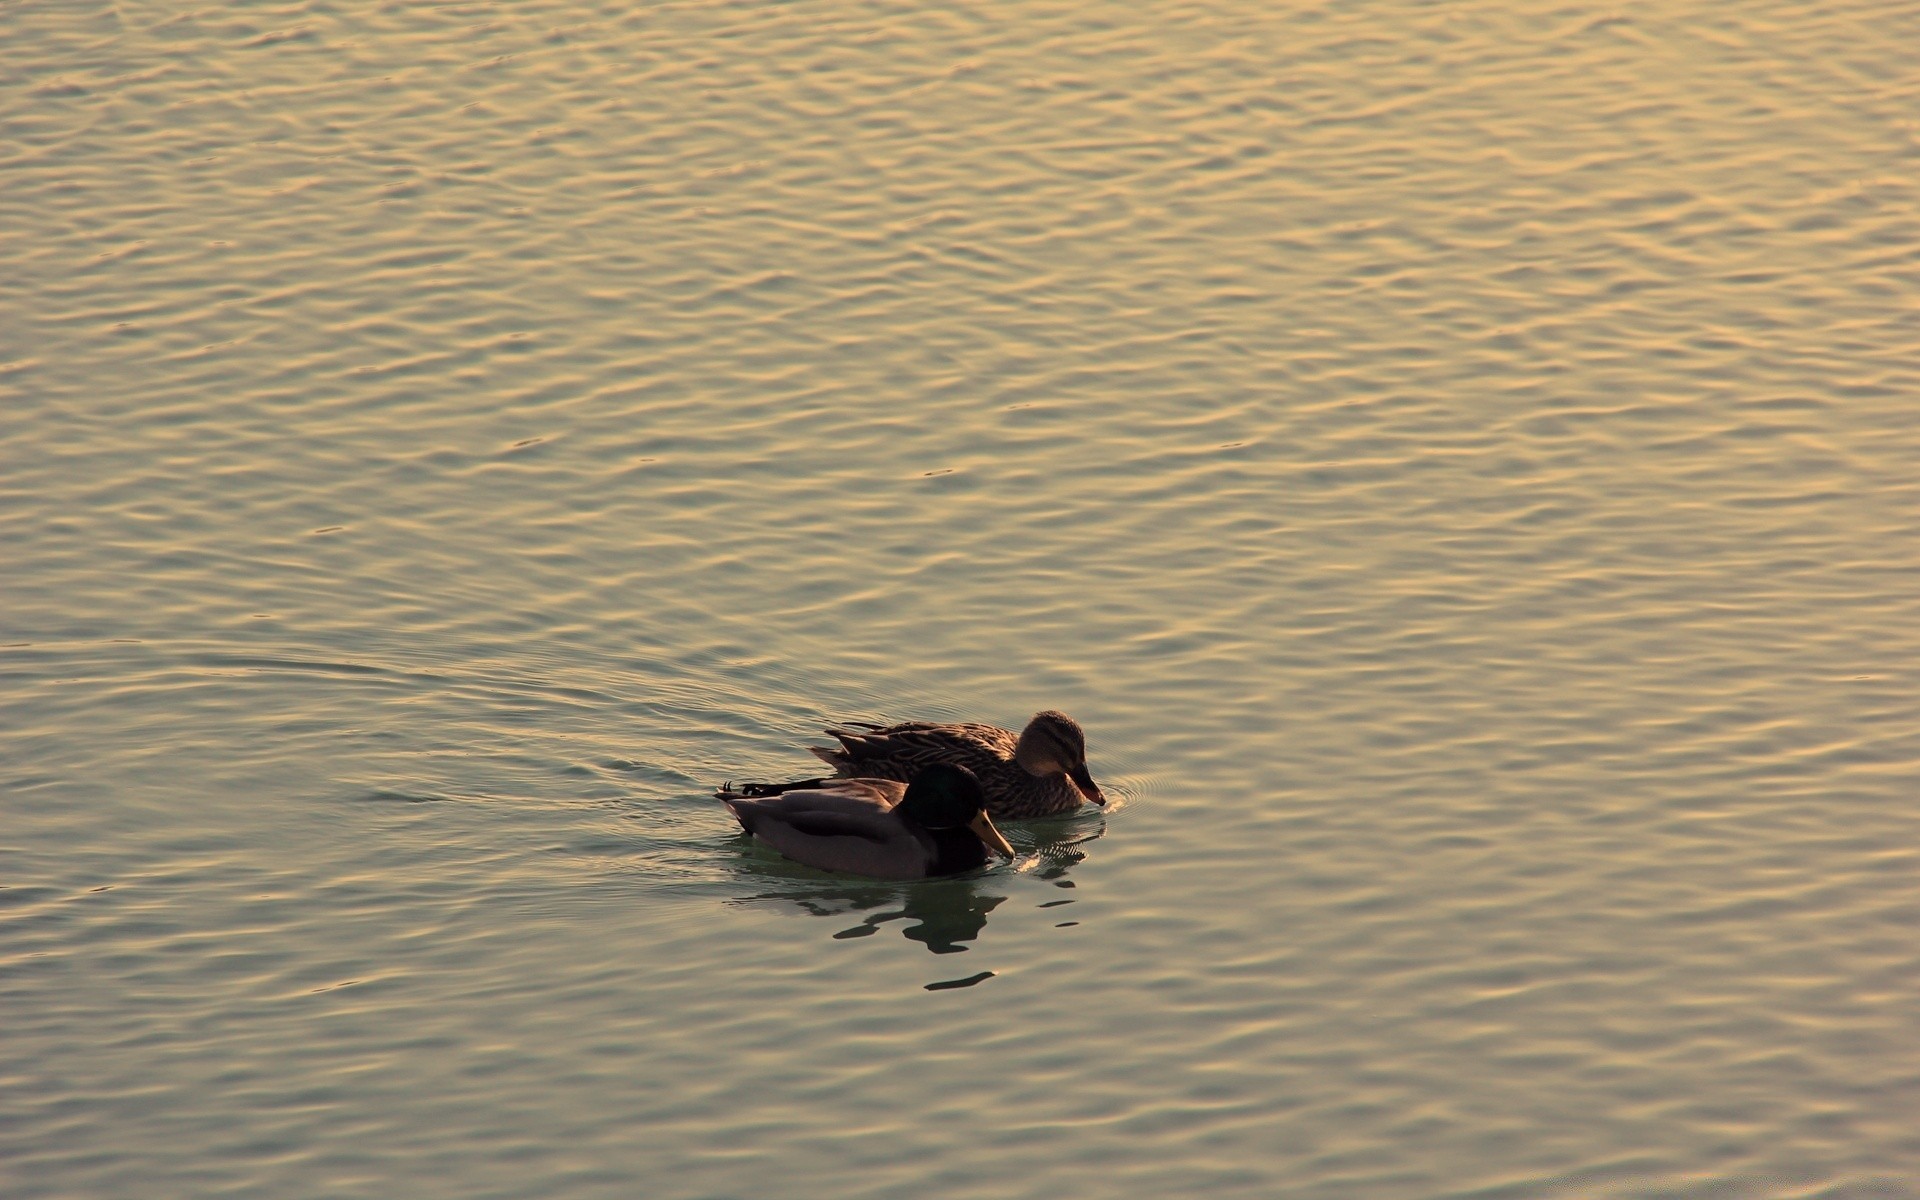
(935, 825)
(1041, 772)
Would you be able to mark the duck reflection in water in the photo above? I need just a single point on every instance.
(944, 915)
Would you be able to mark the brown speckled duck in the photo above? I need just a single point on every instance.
(1040, 772)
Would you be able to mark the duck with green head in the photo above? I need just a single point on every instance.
(935, 825)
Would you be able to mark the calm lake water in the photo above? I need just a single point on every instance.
(1461, 463)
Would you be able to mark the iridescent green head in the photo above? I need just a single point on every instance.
(946, 796)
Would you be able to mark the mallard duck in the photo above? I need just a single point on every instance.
(1040, 772)
(935, 825)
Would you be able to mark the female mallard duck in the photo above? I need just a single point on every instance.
(935, 825)
(1041, 772)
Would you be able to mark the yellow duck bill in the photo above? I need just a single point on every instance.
(991, 835)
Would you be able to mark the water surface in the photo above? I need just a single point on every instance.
(1457, 461)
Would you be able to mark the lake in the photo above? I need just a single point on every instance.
(1460, 463)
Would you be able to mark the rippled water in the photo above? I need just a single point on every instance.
(1459, 462)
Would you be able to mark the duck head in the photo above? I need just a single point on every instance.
(945, 796)
(1053, 744)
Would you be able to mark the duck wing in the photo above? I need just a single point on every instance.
(901, 750)
(854, 797)
(884, 792)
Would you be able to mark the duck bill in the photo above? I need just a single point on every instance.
(983, 825)
(1085, 783)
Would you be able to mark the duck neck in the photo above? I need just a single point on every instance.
(955, 850)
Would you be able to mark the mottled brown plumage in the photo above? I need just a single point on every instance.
(1036, 773)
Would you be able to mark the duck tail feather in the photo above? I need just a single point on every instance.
(853, 730)
(743, 811)
(759, 791)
